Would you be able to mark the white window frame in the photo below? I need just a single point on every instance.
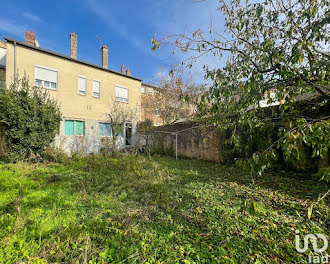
(119, 99)
(43, 81)
(82, 77)
(99, 88)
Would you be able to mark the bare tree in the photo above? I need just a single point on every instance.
(174, 98)
(117, 117)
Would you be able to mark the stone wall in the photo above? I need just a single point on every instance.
(204, 143)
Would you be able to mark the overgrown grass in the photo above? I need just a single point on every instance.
(137, 209)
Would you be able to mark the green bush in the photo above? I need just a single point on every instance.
(29, 120)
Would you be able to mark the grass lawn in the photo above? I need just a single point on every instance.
(137, 209)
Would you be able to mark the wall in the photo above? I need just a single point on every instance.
(209, 144)
(75, 106)
(204, 143)
(91, 142)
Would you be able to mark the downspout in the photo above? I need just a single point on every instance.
(15, 62)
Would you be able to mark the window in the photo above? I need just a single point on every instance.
(96, 89)
(46, 84)
(39, 83)
(105, 129)
(81, 85)
(143, 89)
(74, 127)
(45, 77)
(121, 94)
(128, 134)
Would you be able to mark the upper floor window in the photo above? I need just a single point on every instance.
(45, 77)
(143, 89)
(82, 85)
(121, 94)
(96, 89)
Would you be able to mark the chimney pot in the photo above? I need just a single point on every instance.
(104, 56)
(73, 45)
(128, 72)
(30, 38)
(123, 69)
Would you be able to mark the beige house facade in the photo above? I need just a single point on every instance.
(87, 93)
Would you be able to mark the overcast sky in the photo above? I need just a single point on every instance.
(126, 27)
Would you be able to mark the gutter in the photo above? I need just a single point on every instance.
(65, 57)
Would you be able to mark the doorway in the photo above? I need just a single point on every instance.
(128, 134)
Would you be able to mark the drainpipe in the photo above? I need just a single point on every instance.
(15, 62)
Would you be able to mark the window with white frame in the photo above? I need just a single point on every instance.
(45, 77)
(82, 85)
(96, 89)
(121, 94)
(143, 89)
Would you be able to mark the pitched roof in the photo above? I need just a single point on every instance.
(67, 57)
(2, 44)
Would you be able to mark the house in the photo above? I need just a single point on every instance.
(150, 111)
(166, 106)
(87, 93)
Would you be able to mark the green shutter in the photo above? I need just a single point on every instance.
(68, 127)
(79, 128)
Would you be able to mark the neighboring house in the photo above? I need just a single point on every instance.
(156, 105)
(86, 92)
(149, 111)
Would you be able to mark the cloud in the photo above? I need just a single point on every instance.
(106, 13)
(158, 18)
(11, 27)
(183, 17)
(31, 17)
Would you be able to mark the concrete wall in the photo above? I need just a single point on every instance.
(74, 106)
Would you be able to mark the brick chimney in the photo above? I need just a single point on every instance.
(123, 69)
(73, 46)
(30, 38)
(104, 56)
(128, 72)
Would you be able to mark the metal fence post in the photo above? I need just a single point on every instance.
(176, 145)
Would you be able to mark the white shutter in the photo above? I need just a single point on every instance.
(96, 88)
(117, 91)
(121, 94)
(45, 74)
(124, 93)
(82, 85)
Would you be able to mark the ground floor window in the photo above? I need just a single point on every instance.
(105, 129)
(74, 127)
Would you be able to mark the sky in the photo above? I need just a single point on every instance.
(126, 27)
